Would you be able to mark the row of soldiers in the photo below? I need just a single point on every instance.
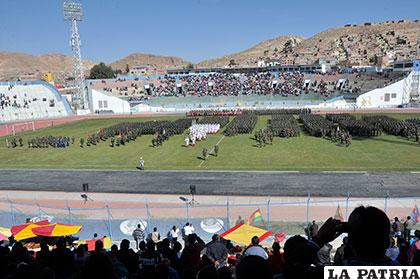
(41, 142)
(47, 141)
(14, 142)
(264, 137)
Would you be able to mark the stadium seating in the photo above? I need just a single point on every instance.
(31, 100)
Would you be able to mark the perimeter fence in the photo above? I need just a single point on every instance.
(117, 219)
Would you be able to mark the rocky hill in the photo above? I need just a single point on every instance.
(25, 66)
(155, 61)
(365, 44)
(270, 48)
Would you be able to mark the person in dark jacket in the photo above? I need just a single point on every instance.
(216, 251)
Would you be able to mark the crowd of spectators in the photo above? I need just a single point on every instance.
(11, 100)
(258, 83)
(371, 240)
(218, 84)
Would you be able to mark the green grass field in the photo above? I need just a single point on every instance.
(305, 153)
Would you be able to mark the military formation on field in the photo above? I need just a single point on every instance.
(318, 126)
(356, 127)
(339, 128)
(221, 120)
(241, 124)
(284, 125)
(409, 129)
(123, 133)
(234, 112)
(278, 111)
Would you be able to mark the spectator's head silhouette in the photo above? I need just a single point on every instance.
(299, 257)
(99, 245)
(124, 245)
(368, 234)
(255, 241)
(150, 246)
(215, 238)
(192, 238)
(253, 267)
(142, 245)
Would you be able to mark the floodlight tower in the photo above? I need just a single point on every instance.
(411, 94)
(73, 12)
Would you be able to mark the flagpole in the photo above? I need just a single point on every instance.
(347, 206)
(307, 208)
(386, 202)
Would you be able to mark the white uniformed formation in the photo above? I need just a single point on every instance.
(199, 132)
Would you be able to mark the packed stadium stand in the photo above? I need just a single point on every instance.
(286, 84)
(31, 100)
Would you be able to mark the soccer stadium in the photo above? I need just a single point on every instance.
(300, 153)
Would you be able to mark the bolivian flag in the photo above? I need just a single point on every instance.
(242, 234)
(255, 217)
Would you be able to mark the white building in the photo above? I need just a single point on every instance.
(101, 102)
(389, 96)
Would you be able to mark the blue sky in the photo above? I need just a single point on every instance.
(192, 29)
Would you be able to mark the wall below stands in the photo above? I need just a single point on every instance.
(389, 96)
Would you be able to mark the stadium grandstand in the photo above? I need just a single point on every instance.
(292, 159)
(28, 100)
(247, 89)
(335, 89)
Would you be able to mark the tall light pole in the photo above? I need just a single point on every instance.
(73, 12)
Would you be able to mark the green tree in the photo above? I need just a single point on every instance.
(101, 71)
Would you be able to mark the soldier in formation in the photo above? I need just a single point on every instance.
(205, 153)
(12, 143)
(216, 150)
(264, 137)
